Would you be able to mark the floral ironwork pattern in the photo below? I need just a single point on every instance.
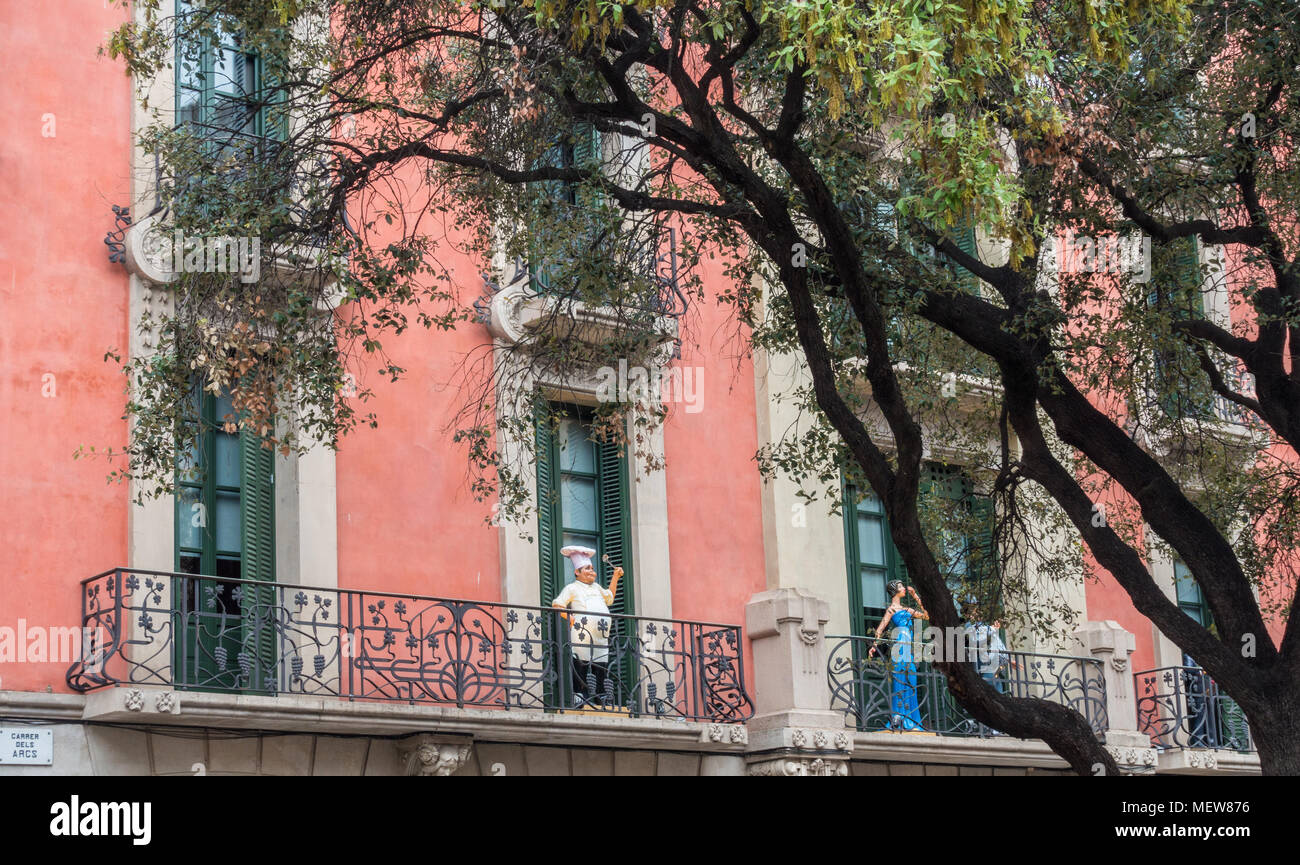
(1182, 707)
(863, 686)
(204, 633)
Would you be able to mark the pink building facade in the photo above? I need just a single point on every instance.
(764, 600)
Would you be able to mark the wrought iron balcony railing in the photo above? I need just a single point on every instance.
(653, 253)
(883, 693)
(207, 634)
(1182, 707)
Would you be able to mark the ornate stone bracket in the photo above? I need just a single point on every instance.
(515, 311)
(147, 254)
(799, 750)
(145, 241)
(1135, 761)
(800, 766)
(426, 754)
(720, 734)
(138, 700)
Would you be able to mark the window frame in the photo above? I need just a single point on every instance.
(202, 80)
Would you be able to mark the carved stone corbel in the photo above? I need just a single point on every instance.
(426, 754)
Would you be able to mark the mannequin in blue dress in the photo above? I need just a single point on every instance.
(905, 712)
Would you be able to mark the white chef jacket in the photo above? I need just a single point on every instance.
(590, 642)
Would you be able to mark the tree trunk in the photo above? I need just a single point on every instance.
(1275, 728)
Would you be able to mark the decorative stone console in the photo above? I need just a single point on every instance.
(1111, 644)
(427, 754)
(794, 731)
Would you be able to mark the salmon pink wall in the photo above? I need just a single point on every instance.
(62, 306)
(715, 519)
(1107, 600)
(407, 520)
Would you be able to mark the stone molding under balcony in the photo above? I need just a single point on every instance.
(145, 255)
(516, 313)
(1206, 761)
(296, 713)
(968, 392)
(933, 749)
(101, 734)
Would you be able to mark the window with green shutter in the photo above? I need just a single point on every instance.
(1214, 719)
(580, 149)
(582, 499)
(963, 236)
(582, 492)
(871, 557)
(225, 530)
(223, 90)
(1190, 598)
(967, 554)
(1176, 287)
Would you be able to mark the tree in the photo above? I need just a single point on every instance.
(839, 154)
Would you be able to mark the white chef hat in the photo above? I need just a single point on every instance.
(580, 556)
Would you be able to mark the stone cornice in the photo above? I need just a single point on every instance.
(41, 705)
(954, 750)
(162, 706)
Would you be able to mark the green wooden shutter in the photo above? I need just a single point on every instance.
(541, 277)
(587, 154)
(1187, 265)
(897, 570)
(257, 516)
(857, 617)
(586, 145)
(548, 532)
(983, 557)
(964, 237)
(615, 525)
(1181, 286)
(274, 123)
(257, 482)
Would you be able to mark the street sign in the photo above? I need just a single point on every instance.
(26, 746)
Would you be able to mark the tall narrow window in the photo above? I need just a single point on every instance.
(1214, 720)
(968, 554)
(222, 89)
(1177, 288)
(872, 559)
(582, 491)
(225, 531)
(579, 149)
(582, 495)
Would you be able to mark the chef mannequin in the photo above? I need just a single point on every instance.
(589, 634)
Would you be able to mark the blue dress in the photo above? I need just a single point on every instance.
(905, 713)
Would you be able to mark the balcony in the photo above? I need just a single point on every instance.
(1182, 707)
(530, 303)
(203, 634)
(874, 699)
(1196, 421)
